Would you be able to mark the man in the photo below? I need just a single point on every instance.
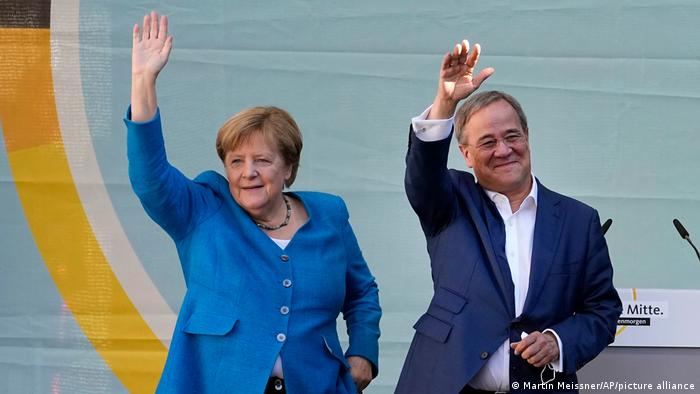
(523, 291)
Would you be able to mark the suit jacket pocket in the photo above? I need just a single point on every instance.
(335, 352)
(433, 327)
(209, 324)
(449, 300)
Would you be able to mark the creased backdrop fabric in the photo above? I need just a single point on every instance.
(611, 91)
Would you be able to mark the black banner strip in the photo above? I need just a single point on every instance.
(30, 14)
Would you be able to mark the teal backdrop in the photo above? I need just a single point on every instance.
(611, 91)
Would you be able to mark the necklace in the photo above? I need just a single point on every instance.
(286, 218)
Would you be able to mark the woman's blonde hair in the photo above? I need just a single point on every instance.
(275, 124)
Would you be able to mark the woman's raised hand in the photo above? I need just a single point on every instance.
(151, 46)
(149, 54)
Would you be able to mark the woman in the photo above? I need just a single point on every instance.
(267, 272)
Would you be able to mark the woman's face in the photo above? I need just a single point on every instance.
(256, 173)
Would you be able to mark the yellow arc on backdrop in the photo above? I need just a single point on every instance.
(56, 217)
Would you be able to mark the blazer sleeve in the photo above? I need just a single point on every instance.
(428, 183)
(585, 334)
(169, 197)
(361, 309)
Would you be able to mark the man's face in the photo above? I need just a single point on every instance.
(497, 148)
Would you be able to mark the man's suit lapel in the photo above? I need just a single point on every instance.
(476, 208)
(548, 226)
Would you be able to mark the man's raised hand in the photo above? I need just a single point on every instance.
(457, 79)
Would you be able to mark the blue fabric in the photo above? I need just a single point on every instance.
(471, 312)
(497, 233)
(226, 336)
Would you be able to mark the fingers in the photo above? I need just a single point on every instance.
(464, 52)
(154, 25)
(361, 372)
(528, 346)
(446, 60)
(457, 80)
(533, 351)
(544, 356)
(473, 56)
(540, 359)
(135, 33)
(536, 348)
(167, 47)
(482, 76)
(460, 55)
(537, 359)
(146, 27)
(450, 68)
(451, 58)
(520, 347)
(361, 379)
(163, 28)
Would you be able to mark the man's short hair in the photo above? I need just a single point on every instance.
(480, 100)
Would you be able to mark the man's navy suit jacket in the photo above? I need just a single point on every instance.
(472, 311)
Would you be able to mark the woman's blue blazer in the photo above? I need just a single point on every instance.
(247, 300)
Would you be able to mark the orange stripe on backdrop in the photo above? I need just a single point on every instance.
(56, 217)
(27, 90)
